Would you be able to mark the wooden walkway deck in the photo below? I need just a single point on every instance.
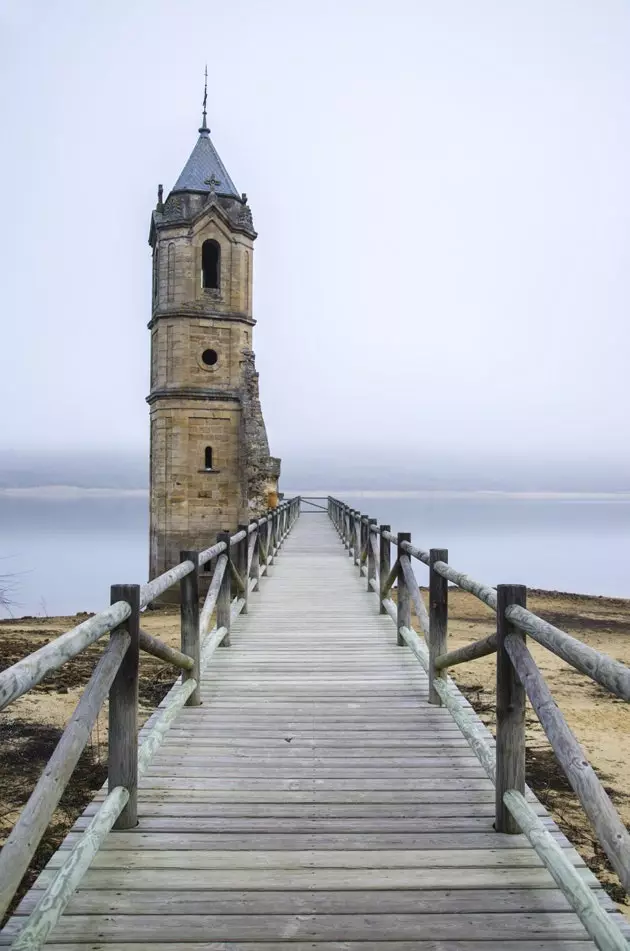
(315, 800)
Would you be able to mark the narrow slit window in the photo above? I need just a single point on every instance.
(208, 457)
(211, 264)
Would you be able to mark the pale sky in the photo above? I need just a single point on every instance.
(442, 200)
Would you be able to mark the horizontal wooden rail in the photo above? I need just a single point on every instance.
(170, 655)
(480, 648)
(602, 815)
(153, 589)
(25, 836)
(415, 552)
(482, 591)
(213, 552)
(235, 539)
(600, 667)
(25, 674)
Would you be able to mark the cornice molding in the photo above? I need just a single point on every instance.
(206, 394)
(191, 312)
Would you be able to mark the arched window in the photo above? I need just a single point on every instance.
(208, 457)
(211, 264)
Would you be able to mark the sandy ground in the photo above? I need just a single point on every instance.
(30, 728)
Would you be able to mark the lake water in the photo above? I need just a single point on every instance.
(64, 554)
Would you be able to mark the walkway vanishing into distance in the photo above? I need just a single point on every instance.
(315, 800)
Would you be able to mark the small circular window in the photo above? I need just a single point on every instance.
(209, 357)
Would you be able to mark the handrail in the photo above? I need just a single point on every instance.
(116, 674)
(21, 676)
(517, 673)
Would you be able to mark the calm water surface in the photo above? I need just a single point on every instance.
(63, 555)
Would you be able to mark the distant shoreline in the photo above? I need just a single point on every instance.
(69, 492)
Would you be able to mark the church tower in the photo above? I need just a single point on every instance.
(210, 462)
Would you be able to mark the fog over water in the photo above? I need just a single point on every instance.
(441, 285)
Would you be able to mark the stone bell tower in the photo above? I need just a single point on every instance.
(210, 462)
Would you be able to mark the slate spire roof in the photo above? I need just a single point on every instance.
(204, 164)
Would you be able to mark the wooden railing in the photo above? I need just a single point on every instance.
(239, 562)
(517, 677)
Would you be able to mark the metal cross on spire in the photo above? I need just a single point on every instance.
(204, 123)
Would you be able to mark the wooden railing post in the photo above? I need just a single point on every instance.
(348, 529)
(357, 538)
(371, 560)
(189, 615)
(240, 562)
(273, 527)
(224, 599)
(385, 564)
(403, 600)
(363, 540)
(438, 620)
(255, 567)
(123, 711)
(510, 733)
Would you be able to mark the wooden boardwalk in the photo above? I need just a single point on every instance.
(315, 800)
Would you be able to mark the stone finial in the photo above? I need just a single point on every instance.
(204, 120)
(160, 202)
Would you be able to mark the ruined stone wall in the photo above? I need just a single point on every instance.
(261, 470)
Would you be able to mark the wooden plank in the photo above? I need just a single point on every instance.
(559, 944)
(520, 900)
(336, 879)
(315, 858)
(385, 927)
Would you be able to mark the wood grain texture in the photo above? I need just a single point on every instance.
(189, 620)
(510, 730)
(438, 620)
(596, 665)
(25, 836)
(316, 800)
(123, 712)
(170, 655)
(593, 916)
(603, 816)
(20, 677)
